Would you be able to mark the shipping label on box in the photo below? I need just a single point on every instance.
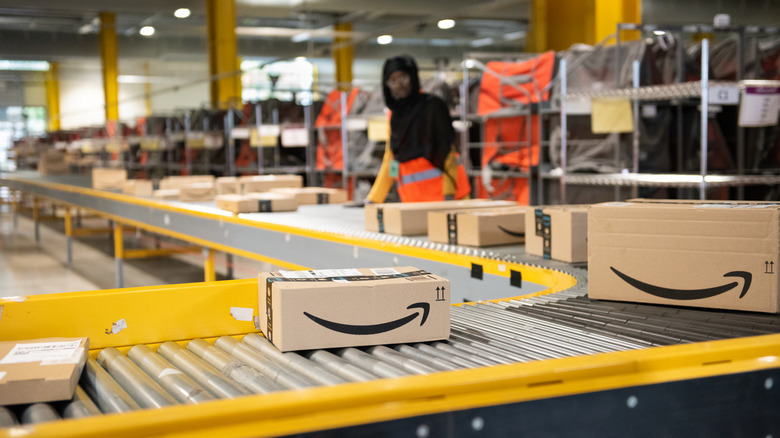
(557, 232)
(303, 310)
(40, 370)
(482, 227)
(715, 255)
(411, 219)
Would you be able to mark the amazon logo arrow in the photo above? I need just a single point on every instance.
(511, 233)
(372, 329)
(688, 294)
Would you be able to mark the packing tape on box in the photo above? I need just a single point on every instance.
(264, 205)
(323, 198)
(380, 218)
(547, 242)
(452, 228)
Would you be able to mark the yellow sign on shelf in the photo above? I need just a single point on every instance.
(611, 115)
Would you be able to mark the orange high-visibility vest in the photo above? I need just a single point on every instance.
(420, 181)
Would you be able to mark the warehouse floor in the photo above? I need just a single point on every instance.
(27, 268)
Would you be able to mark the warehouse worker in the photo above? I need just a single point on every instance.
(420, 155)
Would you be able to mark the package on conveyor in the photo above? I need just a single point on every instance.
(696, 253)
(108, 179)
(228, 185)
(197, 192)
(167, 194)
(334, 308)
(271, 201)
(53, 162)
(257, 202)
(264, 183)
(179, 181)
(41, 370)
(410, 219)
(480, 227)
(138, 187)
(314, 195)
(557, 232)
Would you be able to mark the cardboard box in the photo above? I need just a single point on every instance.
(558, 232)
(53, 163)
(228, 185)
(270, 202)
(700, 254)
(264, 183)
(197, 192)
(108, 179)
(410, 219)
(41, 370)
(303, 310)
(167, 194)
(481, 227)
(138, 187)
(179, 181)
(314, 195)
(237, 203)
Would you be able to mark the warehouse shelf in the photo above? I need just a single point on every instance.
(669, 180)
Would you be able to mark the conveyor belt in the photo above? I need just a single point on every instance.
(563, 324)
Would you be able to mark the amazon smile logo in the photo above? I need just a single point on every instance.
(689, 294)
(511, 233)
(373, 329)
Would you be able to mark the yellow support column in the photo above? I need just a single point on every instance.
(108, 58)
(208, 268)
(559, 24)
(53, 95)
(343, 53)
(69, 234)
(147, 90)
(119, 253)
(223, 54)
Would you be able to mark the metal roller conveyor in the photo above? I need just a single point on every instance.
(236, 370)
(80, 406)
(104, 390)
(144, 390)
(293, 361)
(176, 383)
(341, 367)
(7, 418)
(287, 378)
(208, 377)
(39, 413)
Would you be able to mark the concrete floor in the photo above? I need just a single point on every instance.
(30, 268)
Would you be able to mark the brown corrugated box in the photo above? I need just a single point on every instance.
(237, 203)
(410, 219)
(53, 163)
(138, 187)
(40, 370)
(314, 195)
(303, 310)
(481, 227)
(264, 183)
(167, 194)
(228, 185)
(179, 181)
(703, 254)
(108, 179)
(558, 232)
(270, 201)
(197, 192)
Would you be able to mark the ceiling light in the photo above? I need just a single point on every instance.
(147, 31)
(446, 23)
(182, 13)
(384, 39)
(511, 36)
(659, 32)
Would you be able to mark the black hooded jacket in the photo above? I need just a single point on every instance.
(420, 124)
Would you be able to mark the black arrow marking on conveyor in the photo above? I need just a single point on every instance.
(511, 233)
(688, 294)
(372, 329)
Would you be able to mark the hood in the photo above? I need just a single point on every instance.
(403, 63)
